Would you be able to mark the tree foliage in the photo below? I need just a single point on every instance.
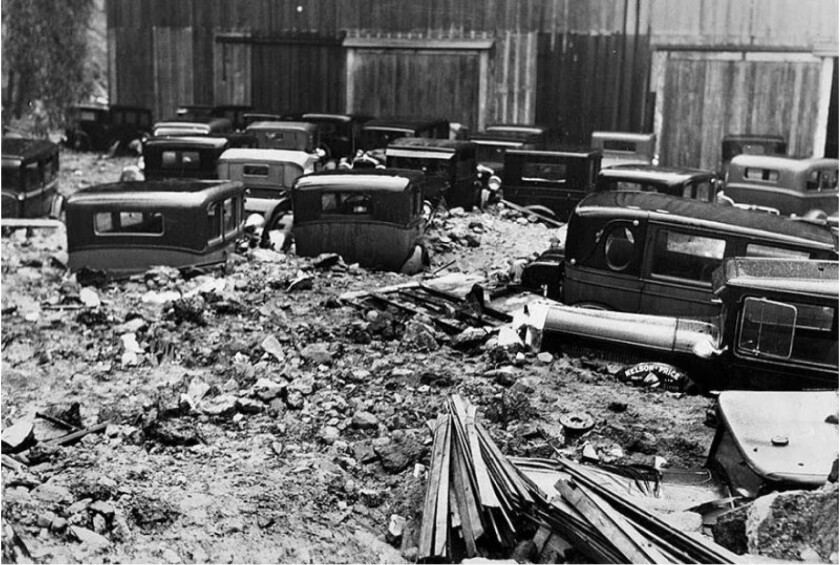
(45, 48)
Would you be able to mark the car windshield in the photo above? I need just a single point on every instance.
(490, 153)
(10, 179)
(436, 167)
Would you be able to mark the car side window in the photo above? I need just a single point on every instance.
(686, 256)
(214, 220)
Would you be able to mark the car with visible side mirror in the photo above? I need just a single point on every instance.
(371, 217)
(267, 174)
(29, 183)
(103, 128)
(625, 148)
(125, 228)
(676, 181)
(449, 161)
(550, 182)
(791, 186)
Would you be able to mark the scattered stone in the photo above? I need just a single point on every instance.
(169, 556)
(364, 420)
(363, 452)
(317, 354)
(198, 388)
(266, 389)
(617, 407)
(294, 399)
(504, 376)
(545, 358)
(301, 282)
(92, 539)
(59, 524)
(45, 519)
(400, 453)
(131, 326)
(469, 338)
(219, 406)
(329, 434)
(273, 347)
(100, 526)
(305, 385)
(18, 436)
(590, 453)
(78, 506)
(105, 508)
(249, 406)
(89, 297)
(419, 337)
(51, 493)
(396, 525)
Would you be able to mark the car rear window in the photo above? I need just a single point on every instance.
(347, 203)
(128, 222)
(767, 175)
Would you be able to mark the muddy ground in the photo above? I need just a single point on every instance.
(224, 447)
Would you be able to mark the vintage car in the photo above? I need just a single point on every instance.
(622, 148)
(194, 157)
(550, 182)
(29, 183)
(340, 135)
(192, 125)
(451, 161)
(121, 229)
(803, 187)
(776, 328)
(774, 440)
(249, 118)
(234, 112)
(676, 181)
(267, 174)
(289, 135)
(380, 132)
(750, 144)
(490, 152)
(370, 217)
(654, 254)
(101, 128)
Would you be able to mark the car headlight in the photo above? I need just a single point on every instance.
(494, 183)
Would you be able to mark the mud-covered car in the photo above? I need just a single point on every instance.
(791, 186)
(550, 182)
(452, 162)
(29, 183)
(103, 128)
(776, 328)
(676, 181)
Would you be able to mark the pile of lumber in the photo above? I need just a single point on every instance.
(475, 498)
(480, 502)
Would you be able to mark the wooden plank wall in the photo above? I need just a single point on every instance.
(706, 98)
(593, 82)
(173, 66)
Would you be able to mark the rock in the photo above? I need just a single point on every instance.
(89, 538)
(419, 337)
(249, 406)
(197, 389)
(131, 326)
(89, 297)
(294, 399)
(504, 376)
(327, 260)
(399, 454)
(363, 452)
(359, 376)
(274, 348)
(266, 389)
(100, 526)
(364, 420)
(469, 338)
(617, 407)
(105, 508)
(786, 524)
(526, 385)
(278, 406)
(305, 385)
(329, 434)
(509, 339)
(169, 556)
(372, 498)
(317, 354)
(219, 406)
(590, 453)
(48, 492)
(262, 255)
(78, 506)
(59, 524)
(396, 525)
(545, 358)
(45, 519)
(18, 436)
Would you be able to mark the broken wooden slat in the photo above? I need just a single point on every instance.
(70, 438)
(442, 508)
(465, 503)
(614, 527)
(427, 526)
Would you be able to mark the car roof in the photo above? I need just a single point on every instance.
(622, 135)
(653, 173)
(754, 137)
(562, 151)
(503, 137)
(181, 120)
(187, 141)
(23, 148)
(800, 276)
(427, 144)
(781, 161)
(516, 128)
(335, 117)
(386, 180)
(664, 207)
(176, 192)
(282, 125)
(300, 158)
(404, 123)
